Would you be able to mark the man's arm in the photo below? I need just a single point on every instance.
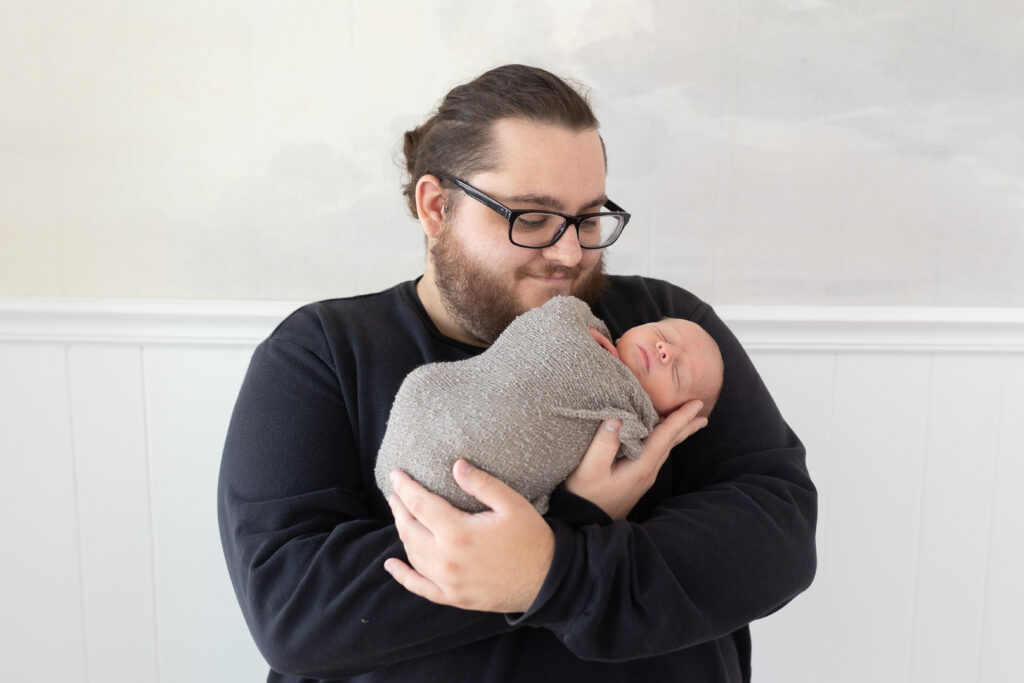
(724, 536)
(305, 553)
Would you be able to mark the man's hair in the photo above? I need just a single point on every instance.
(457, 139)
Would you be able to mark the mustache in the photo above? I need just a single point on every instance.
(553, 270)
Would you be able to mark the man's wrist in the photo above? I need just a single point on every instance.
(531, 588)
(575, 510)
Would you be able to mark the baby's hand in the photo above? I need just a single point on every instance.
(605, 343)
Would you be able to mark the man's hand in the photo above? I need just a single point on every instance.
(615, 486)
(493, 561)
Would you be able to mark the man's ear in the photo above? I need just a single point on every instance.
(603, 341)
(430, 204)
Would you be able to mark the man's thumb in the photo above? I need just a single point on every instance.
(605, 445)
(612, 425)
(486, 488)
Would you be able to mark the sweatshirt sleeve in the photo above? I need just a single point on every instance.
(725, 536)
(304, 546)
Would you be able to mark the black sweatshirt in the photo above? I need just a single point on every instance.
(724, 536)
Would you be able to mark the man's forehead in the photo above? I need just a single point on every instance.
(546, 164)
(524, 141)
(551, 201)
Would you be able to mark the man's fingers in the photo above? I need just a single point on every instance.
(687, 422)
(408, 526)
(686, 412)
(431, 510)
(413, 581)
(489, 490)
(691, 428)
(679, 424)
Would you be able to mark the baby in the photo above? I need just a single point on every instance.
(526, 409)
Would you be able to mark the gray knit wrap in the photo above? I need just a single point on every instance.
(525, 410)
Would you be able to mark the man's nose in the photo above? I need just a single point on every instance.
(566, 250)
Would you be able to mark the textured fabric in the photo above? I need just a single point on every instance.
(725, 535)
(525, 410)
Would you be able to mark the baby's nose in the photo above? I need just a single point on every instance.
(664, 351)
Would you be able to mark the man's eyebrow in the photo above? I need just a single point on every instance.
(549, 202)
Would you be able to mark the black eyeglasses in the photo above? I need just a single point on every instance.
(535, 229)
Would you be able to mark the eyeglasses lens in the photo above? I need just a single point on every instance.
(540, 229)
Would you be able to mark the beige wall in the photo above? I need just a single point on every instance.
(782, 152)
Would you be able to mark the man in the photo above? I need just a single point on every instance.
(641, 570)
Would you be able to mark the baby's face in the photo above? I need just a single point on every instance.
(675, 360)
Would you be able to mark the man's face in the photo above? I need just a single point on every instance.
(484, 280)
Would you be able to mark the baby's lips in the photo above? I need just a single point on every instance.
(646, 358)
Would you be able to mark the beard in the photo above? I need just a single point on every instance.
(483, 302)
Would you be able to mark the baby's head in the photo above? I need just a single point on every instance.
(675, 360)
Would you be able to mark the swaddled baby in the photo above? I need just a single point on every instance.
(526, 409)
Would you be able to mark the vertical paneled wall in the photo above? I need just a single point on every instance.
(113, 513)
(42, 630)
(110, 444)
(915, 456)
(114, 570)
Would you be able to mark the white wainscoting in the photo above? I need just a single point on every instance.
(113, 414)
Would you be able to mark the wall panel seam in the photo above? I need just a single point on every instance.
(820, 531)
(155, 584)
(991, 520)
(76, 478)
(921, 495)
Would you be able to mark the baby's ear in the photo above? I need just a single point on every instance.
(603, 341)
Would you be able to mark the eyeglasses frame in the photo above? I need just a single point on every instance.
(512, 214)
